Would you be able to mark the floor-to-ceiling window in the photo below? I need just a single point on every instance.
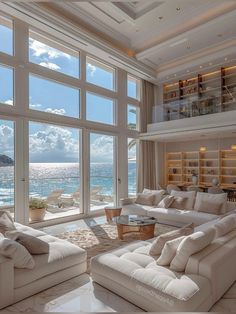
(7, 169)
(102, 171)
(54, 168)
(70, 113)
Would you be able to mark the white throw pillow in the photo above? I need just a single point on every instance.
(211, 198)
(159, 194)
(191, 245)
(159, 243)
(189, 195)
(166, 202)
(32, 244)
(169, 251)
(225, 225)
(6, 222)
(145, 199)
(15, 251)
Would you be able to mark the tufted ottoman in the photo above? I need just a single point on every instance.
(134, 275)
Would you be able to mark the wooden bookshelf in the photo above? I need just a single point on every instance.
(218, 164)
(206, 93)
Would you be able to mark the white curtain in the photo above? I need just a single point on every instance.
(147, 164)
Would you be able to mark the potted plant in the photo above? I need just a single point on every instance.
(37, 209)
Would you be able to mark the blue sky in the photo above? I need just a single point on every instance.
(49, 96)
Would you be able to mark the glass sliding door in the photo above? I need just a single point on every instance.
(132, 166)
(102, 171)
(7, 166)
(54, 168)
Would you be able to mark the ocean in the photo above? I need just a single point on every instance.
(46, 177)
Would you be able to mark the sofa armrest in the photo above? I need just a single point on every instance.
(6, 281)
(217, 263)
(127, 201)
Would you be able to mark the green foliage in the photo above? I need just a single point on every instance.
(37, 203)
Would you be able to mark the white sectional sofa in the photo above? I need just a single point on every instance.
(64, 261)
(171, 216)
(134, 275)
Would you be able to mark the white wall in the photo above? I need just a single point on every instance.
(210, 144)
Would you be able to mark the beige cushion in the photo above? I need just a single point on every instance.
(191, 245)
(190, 195)
(161, 240)
(179, 203)
(225, 225)
(169, 251)
(166, 202)
(208, 207)
(15, 251)
(159, 194)
(31, 243)
(219, 199)
(6, 222)
(145, 199)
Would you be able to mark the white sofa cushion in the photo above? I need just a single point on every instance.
(225, 225)
(191, 245)
(215, 199)
(160, 241)
(17, 253)
(169, 251)
(189, 195)
(180, 216)
(139, 279)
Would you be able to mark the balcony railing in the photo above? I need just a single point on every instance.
(194, 107)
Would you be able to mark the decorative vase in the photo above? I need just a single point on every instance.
(37, 214)
(215, 182)
(194, 179)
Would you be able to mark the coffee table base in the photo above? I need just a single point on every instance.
(144, 232)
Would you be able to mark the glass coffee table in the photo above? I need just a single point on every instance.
(143, 226)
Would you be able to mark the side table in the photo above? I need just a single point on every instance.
(111, 212)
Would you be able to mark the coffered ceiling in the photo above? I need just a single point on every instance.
(174, 37)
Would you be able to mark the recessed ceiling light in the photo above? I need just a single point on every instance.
(160, 17)
(178, 9)
(200, 67)
(226, 59)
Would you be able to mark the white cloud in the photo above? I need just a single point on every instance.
(102, 149)
(53, 144)
(9, 102)
(40, 49)
(56, 111)
(91, 68)
(6, 140)
(35, 105)
(50, 65)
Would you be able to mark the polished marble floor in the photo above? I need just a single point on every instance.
(80, 294)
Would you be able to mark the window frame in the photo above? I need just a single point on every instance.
(106, 66)
(21, 112)
(60, 43)
(138, 87)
